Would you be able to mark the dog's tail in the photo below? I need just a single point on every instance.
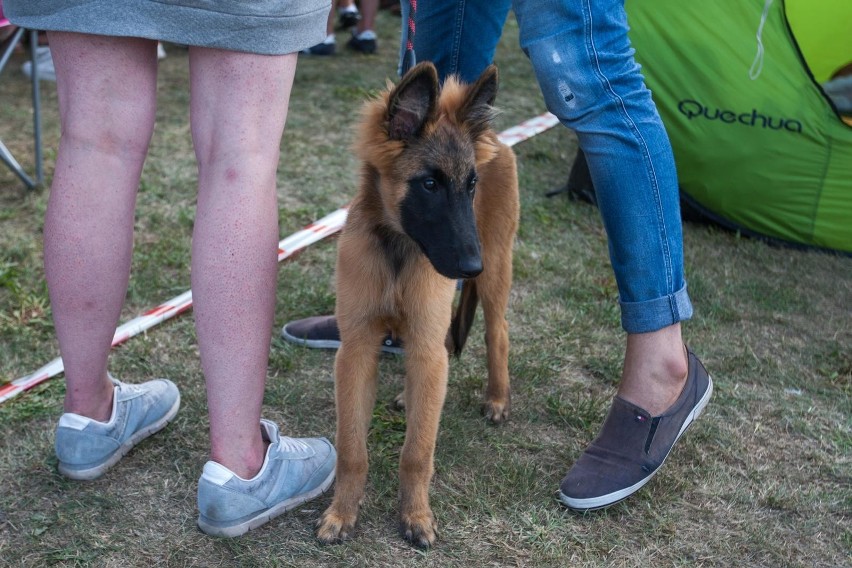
(463, 318)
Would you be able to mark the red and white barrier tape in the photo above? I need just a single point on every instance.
(288, 247)
(528, 129)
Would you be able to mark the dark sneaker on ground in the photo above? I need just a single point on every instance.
(632, 446)
(365, 42)
(348, 16)
(327, 47)
(320, 332)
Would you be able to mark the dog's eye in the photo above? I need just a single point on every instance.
(430, 184)
(472, 184)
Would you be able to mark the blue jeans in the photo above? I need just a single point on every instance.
(458, 36)
(584, 64)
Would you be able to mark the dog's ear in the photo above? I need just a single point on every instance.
(478, 110)
(413, 102)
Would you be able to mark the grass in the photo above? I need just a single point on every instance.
(763, 479)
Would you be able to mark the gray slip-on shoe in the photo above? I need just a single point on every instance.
(87, 448)
(320, 332)
(632, 446)
(294, 471)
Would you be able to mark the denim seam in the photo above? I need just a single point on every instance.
(631, 125)
(650, 319)
(673, 305)
(456, 48)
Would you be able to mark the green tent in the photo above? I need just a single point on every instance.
(758, 144)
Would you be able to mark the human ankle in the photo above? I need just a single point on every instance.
(95, 403)
(653, 392)
(655, 368)
(245, 464)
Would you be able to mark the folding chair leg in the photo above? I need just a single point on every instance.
(5, 155)
(36, 109)
(7, 158)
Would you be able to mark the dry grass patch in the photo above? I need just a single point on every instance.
(763, 479)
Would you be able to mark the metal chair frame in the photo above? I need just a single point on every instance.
(5, 155)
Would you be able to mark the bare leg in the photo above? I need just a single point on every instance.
(238, 109)
(655, 369)
(332, 14)
(369, 8)
(107, 101)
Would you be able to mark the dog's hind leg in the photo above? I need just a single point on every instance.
(355, 395)
(494, 296)
(497, 218)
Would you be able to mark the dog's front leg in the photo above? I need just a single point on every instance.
(355, 395)
(425, 389)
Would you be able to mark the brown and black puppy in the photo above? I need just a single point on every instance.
(438, 201)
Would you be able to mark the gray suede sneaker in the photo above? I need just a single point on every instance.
(87, 448)
(294, 471)
(632, 446)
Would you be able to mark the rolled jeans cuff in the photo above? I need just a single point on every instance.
(653, 315)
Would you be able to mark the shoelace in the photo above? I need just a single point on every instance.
(292, 444)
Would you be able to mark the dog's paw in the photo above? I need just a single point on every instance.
(334, 528)
(420, 530)
(496, 411)
(399, 401)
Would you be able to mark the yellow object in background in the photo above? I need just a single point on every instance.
(823, 30)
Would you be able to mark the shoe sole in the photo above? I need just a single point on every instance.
(97, 471)
(331, 343)
(265, 516)
(595, 503)
(365, 51)
(318, 53)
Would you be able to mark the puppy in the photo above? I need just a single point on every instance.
(438, 201)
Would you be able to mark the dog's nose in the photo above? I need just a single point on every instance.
(470, 267)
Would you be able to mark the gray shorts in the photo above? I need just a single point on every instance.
(269, 27)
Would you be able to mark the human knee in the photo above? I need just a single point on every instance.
(223, 141)
(236, 161)
(118, 134)
(582, 86)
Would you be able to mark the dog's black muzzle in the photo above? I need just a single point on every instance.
(443, 224)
